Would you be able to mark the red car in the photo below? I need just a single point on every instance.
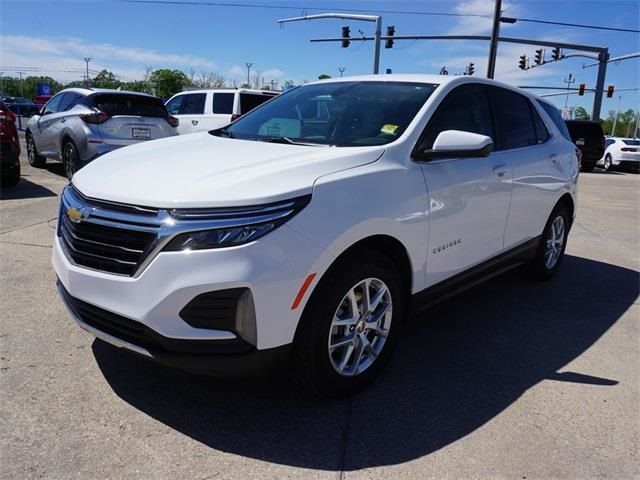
(40, 100)
(9, 148)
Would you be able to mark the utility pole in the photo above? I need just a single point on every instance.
(86, 61)
(615, 120)
(341, 70)
(493, 46)
(249, 73)
(568, 81)
(21, 84)
(377, 19)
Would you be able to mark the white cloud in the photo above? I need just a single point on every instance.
(480, 25)
(56, 56)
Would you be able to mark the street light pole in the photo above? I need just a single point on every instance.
(249, 73)
(341, 70)
(495, 33)
(615, 120)
(377, 19)
(87, 60)
(21, 85)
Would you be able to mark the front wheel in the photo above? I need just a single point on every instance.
(70, 159)
(552, 245)
(35, 160)
(349, 326)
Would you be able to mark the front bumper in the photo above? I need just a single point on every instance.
(273, 268)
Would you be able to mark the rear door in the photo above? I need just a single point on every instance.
(222, 109)
(468, 197)
(133, 118)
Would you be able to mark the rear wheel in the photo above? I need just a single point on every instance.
(70, 159)
(552, 245)
(608, 162)
(349, 326)
(35, 160)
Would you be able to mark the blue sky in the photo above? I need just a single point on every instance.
(127, 38)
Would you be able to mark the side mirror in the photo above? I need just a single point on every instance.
(458, 144)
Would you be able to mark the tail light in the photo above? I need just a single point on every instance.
(579, 156)
(95, 118)
(626, 149)
(173, 121)
(7, 116)
(235, 116)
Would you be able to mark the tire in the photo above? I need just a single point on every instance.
(70, 158)
(587, 166)
(35, 160)
(552, 245)
(608, 163)
(11, 177)
(335, 371)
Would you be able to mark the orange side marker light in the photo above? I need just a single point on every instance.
(302, 291)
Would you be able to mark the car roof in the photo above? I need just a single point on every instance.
(228, 90)
(440, 80)
(89, 91)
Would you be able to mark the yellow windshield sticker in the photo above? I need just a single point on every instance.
(389, 129)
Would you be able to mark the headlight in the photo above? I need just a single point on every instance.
(218, 228)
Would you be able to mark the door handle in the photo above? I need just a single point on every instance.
(63, 120)
(500, 170)
(553, 157)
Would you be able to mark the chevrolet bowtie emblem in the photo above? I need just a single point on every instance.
(77, 215)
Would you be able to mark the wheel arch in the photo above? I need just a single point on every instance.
(567, 201)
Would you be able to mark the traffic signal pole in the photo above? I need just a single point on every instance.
(493, 46)
(603, 58)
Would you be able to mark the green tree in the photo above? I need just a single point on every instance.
(323, 76)
(106, 79)
(166, 82)
(581, 114)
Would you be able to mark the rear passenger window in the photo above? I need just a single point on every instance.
(250, 101)
(514, 117)
(542, 133)
(466, 108)
(193, 104)
(68, 101)
(223, 103)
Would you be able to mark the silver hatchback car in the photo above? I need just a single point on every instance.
(80, 124)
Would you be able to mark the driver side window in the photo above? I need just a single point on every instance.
(466, 108)
(53, 105)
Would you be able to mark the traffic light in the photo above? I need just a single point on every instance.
(391, 30)
(610, 90)
(471, 68)
(538, 57)
(346, 31)
(581, 89)
(522, 63)
(556, 54)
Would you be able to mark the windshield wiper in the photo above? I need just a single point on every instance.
(222, 132)
(288, 141)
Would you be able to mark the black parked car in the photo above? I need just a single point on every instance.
(20, 106)
(589, 138)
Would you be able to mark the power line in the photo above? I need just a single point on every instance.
(578, 25)
(291, 7)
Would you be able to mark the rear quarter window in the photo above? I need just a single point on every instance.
(556, 118)
(250, 101)
(515, 118)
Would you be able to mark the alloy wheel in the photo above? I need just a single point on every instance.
(554, 243)
(360, 327)
(68, 159)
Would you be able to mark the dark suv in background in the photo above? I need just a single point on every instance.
(589, 138)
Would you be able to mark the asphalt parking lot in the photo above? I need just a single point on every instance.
(512, 379)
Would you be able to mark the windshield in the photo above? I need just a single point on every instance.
(336, 113)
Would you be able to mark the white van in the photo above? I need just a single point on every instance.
(207, 109)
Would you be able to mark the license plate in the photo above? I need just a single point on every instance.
(580, 142)
(140, 133)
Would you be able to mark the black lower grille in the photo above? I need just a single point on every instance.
(140, 335)
(103, 247)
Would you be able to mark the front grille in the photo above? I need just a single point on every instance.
(107, 239)
(105, 248)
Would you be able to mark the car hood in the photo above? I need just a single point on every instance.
(201, 170)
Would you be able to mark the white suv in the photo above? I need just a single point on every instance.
(307, 240)
(200, 110)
